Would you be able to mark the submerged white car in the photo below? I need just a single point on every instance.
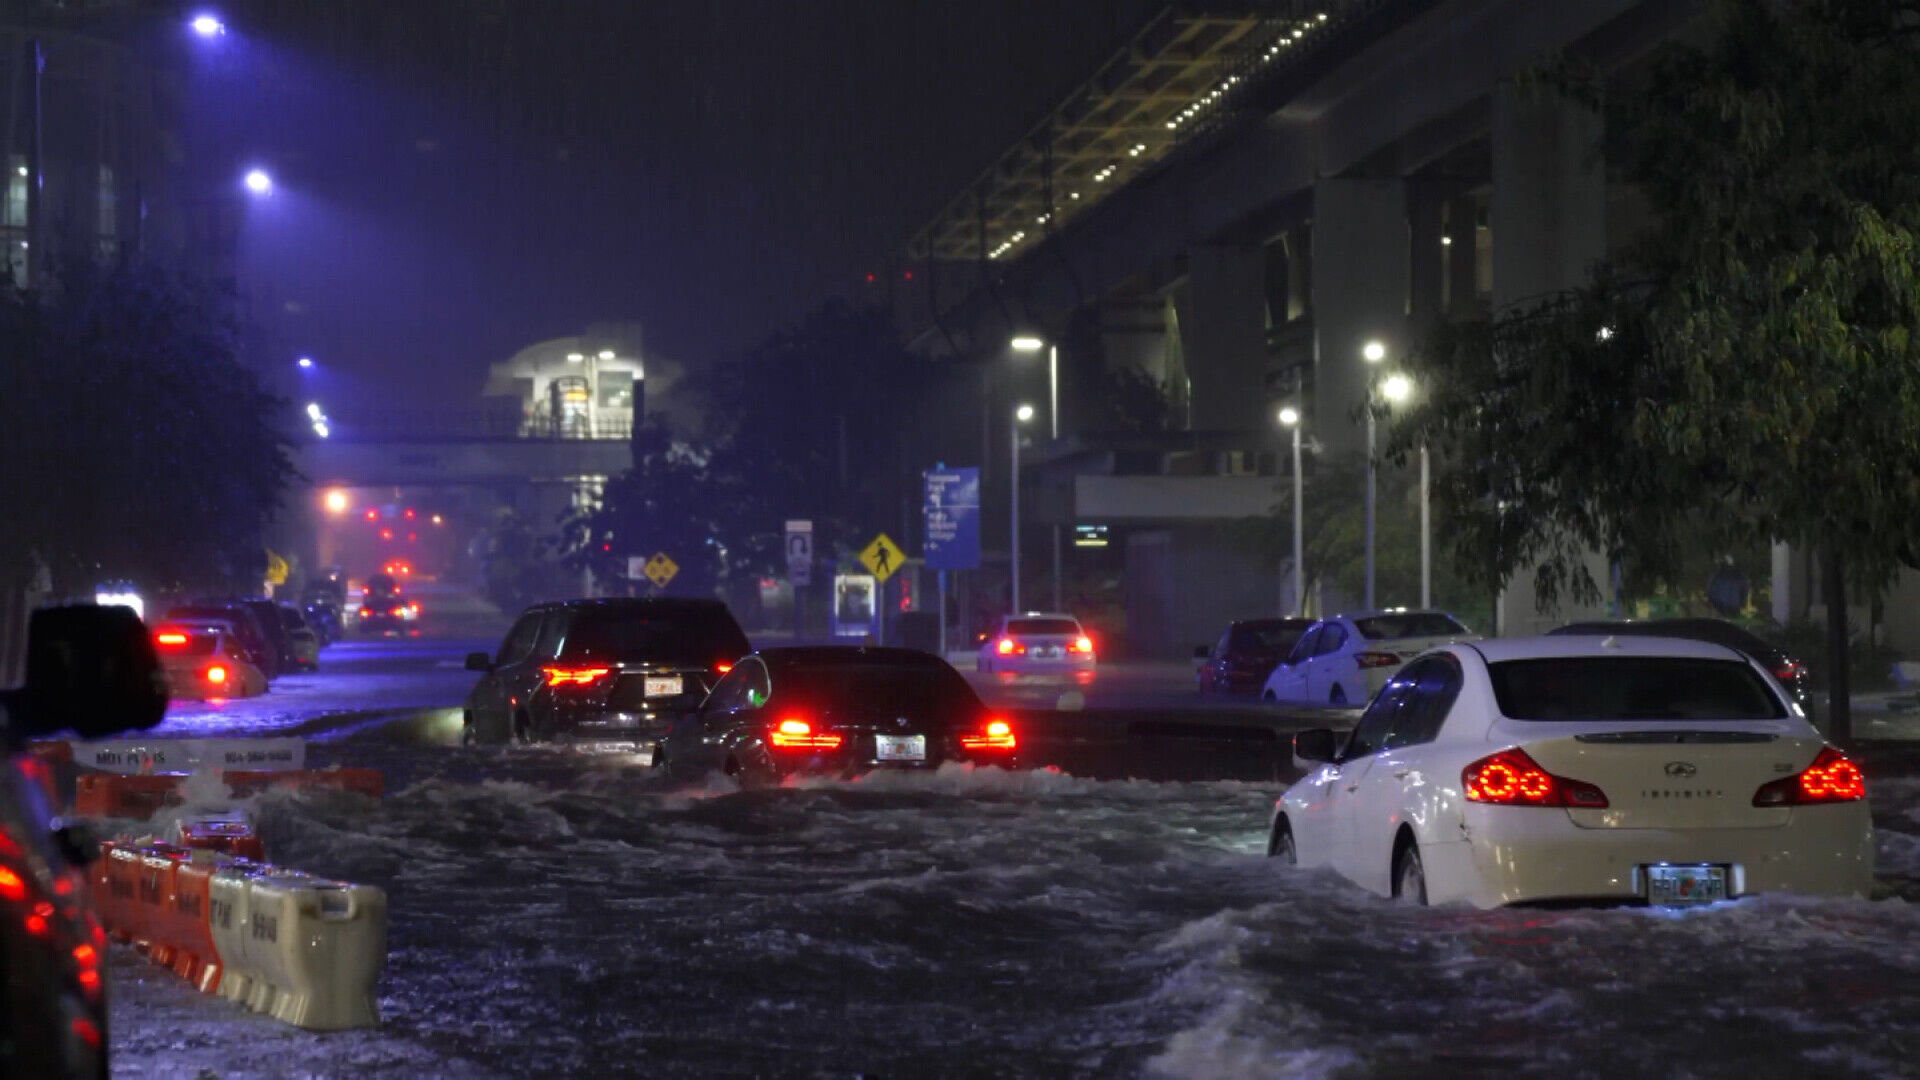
(1346, 659)
(1611, 769)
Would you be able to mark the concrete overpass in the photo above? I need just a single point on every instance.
(1247, 193)
(462, 462)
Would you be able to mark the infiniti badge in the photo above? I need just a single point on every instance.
(1681, 768)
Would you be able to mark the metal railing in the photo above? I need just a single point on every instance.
(434, 425)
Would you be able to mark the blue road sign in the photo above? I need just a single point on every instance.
(953, 519)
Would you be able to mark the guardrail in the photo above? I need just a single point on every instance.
(435, 425)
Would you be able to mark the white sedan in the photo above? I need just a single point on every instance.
(1346, 659)
(1038, 643)
(1584, 769)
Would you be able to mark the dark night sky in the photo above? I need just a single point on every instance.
(456, 187)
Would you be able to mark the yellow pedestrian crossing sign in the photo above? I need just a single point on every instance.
(883, 557)
(660, 569)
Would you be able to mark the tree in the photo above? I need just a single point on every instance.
(133, 442)
(1752, 369)
(669, 502)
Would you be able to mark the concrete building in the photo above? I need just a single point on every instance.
(1242, 198)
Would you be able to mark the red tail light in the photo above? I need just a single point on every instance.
(1788, 670)
(1375, 659)
(1831, 778)
(217, 675)
(575, 676)
(1010, 647)
(169, 637)
(1511, 778)
(794, 733)
(12, 886)
(995, 734)
(722, 667)
(1081, 644)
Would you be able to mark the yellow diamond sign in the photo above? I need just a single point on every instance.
(660, 569)
(882, 557)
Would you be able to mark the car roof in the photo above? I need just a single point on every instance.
(848, 656)
(1043, 615)
(1289, 620)
(1560, 646)
(1377, 612)
(632, 603)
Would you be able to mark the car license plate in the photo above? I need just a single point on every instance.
(664, 686)
(900, 747)
(1047, 652)
(1681, 886)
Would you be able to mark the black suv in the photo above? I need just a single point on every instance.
(1791, 673)
(602, 674)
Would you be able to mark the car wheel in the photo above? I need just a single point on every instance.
(1410, 876)
(1339, 695)
(523, 729)
(466, 728)
(1269, 697)
(1280, 843)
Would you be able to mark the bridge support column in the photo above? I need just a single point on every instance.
(1549, 225)
(1226, 336)
(1359, 295)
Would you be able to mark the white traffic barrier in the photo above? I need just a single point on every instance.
(303, 949)
(190, 755)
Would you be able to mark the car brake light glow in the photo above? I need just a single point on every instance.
(1831, 778)
(170, 638)
(1788, 670)
(794, 733)
(1081, 644)
(1010, 647)
(12, 885)
(722, 667)
(1375, 659)
(1511, 778)
(575, 676)
(216, 674)
(87, 1031)
(994, 735)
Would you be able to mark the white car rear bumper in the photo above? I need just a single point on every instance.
(1525, 854)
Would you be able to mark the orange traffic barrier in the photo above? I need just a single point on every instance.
(120, 795)
(306, 949)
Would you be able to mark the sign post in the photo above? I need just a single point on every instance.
(882, 558)
(952, 507)
(799, 566)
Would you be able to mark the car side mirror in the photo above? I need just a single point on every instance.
(1315, 744)
(479, 661)
(1202, 652)
(90, 670)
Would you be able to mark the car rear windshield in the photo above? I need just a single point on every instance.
(199, 643)
(1632, 688)
(1034, 627)
(1408, 625)
(919, 690)
(381, 584)
(697, 636)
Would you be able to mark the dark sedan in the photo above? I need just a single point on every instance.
(1791, 673)
(1238, 664)
(839, 709)
(601, 674)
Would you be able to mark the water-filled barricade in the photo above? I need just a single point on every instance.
(304, 949)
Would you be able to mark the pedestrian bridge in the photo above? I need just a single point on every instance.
(447, 450)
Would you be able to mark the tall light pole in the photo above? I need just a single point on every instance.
(1372, 352)
(1290, 417)
(1426, 536)
(1394, 389)
(1020, 416)
(1027, 343)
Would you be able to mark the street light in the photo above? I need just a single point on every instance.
(207, 25)
(1394, 388)
(576, 358)
(305, 362)
(1373, 352)
(1398, 388)
(1020, 416)
(314, 411)
(258, 182)
(336, 501)
(606, 354)
(1290, 418)
(1028, 343)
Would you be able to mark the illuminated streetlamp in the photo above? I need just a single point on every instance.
(1290, 418)
(336, 501)
(258, 183)
(207, 25)
(1020, 416)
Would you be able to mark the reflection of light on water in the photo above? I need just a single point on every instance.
(1071, 701)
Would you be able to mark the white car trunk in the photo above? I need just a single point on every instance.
(1044, 646)
(1669, 779)
(1408, 648)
